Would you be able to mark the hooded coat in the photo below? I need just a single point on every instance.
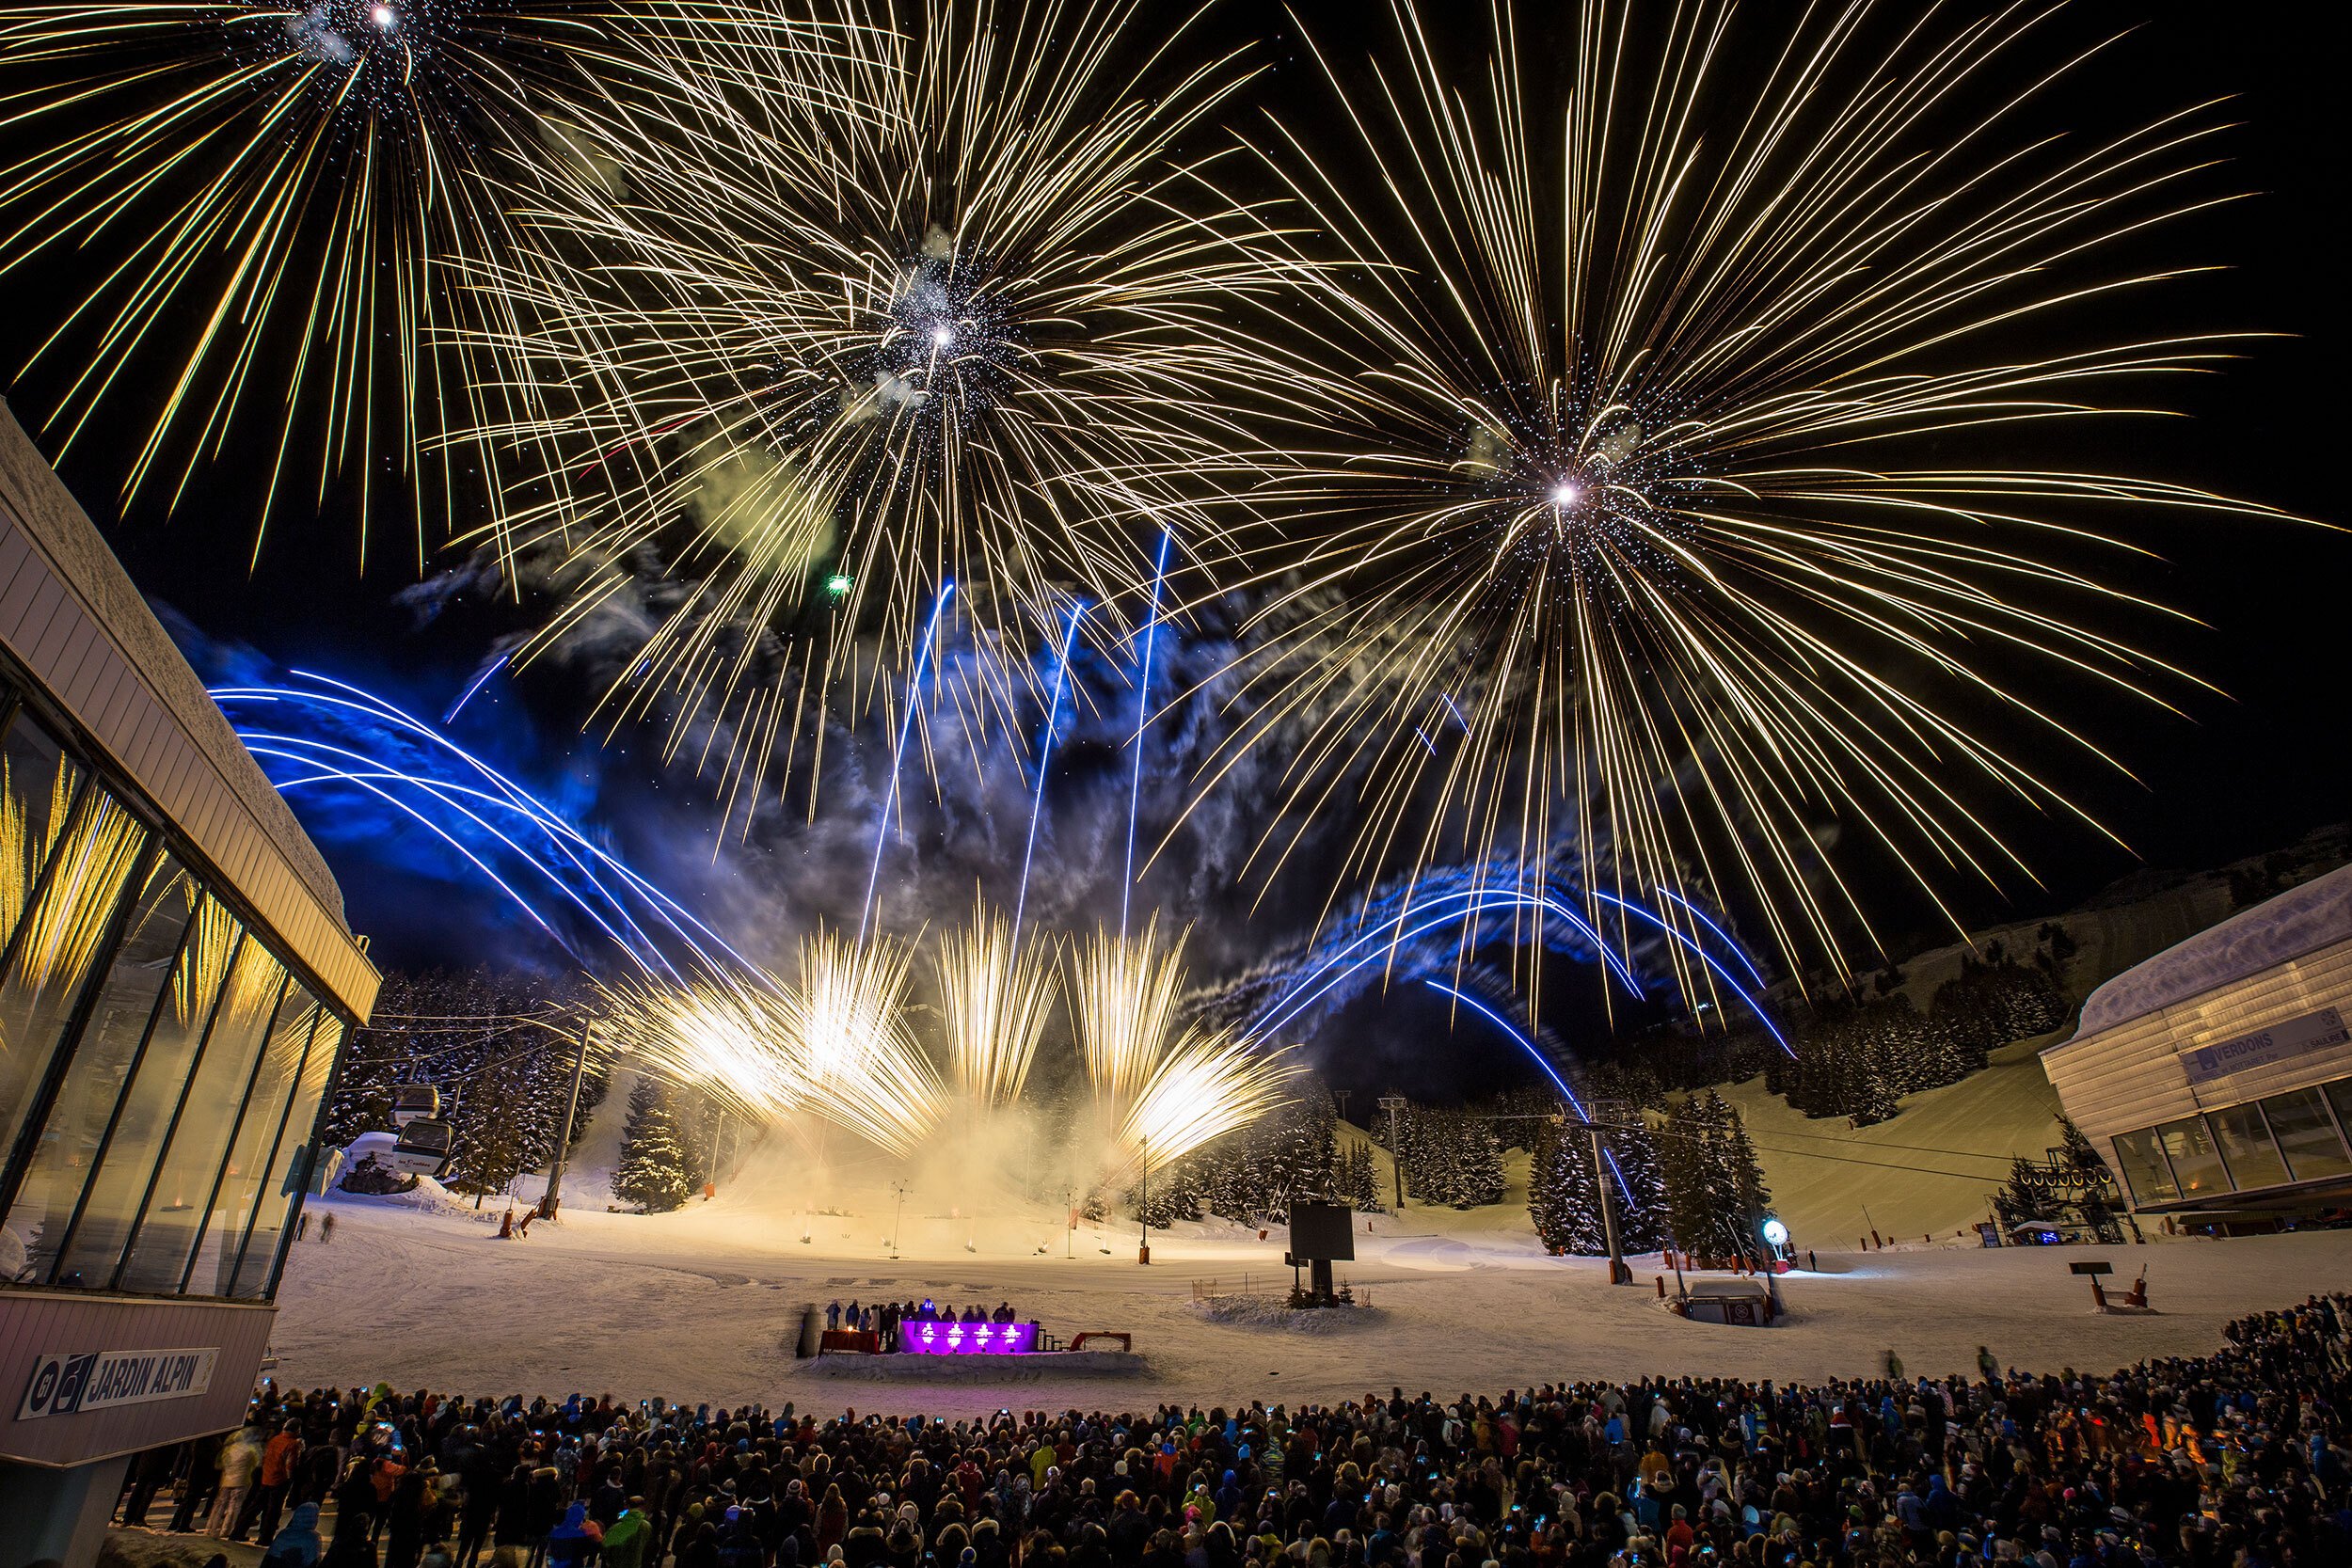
(297, 1546)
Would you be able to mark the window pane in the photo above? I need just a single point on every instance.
(2339, 1095)
(260, 1252)
(2306, 1136)
(77, 1137)
(2195, 1165)
(37, 781)
(250, 1146)
(93, 850)
(195, 1146)
(2142, 1164)
(95, 1252)
(2247, 1148)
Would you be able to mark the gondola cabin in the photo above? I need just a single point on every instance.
(414, 1102)
(426, 1149)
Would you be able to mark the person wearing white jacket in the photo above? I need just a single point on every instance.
(240, 1466)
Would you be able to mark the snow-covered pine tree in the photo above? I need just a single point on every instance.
(1639, 1188)
(1715, 1194)
(1479, 1165)
(1751, 1197)
(1990, 1004)
(1451, 1157)
(1356, 1181)
(1174, 1195)
(652, 1171)
(1565, 1202)
(1560, 1193)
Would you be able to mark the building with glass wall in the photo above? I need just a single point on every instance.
(2217, 1076)
(176, 983)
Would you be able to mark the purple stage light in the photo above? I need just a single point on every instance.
(947, 1338)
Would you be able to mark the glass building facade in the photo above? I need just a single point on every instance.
(162, 1063)
(2287, 1139)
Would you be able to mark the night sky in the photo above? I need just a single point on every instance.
(2236, 774)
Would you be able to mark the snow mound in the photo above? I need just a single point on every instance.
(130, 1547)
(977, 1367)
(427, 1195)
(1275, 1312)
(2300, 920)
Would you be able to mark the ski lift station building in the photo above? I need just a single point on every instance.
(2216, 1077)
(177, 981)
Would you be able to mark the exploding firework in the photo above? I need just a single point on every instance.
(1680, 509)
(1162, 1087)
(835, 1045)
(942, 303)
(729, 1040)
(996, 1000)
(1206, 1084)
(275, 188)
(864, 1069)
(1124, 994)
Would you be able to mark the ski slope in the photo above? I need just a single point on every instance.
(1927, 1172)
(705, 1305)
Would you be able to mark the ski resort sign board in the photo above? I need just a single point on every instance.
(69, 1384)
(2296, 1036)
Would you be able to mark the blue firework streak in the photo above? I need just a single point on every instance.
(318, 736)
(1419, 931)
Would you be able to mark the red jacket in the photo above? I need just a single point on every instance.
(277, 1459)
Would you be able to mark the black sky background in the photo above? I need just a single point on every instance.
(2233, 775)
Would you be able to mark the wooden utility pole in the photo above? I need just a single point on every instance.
(554, 1195)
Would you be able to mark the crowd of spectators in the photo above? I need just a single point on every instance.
(2236, 1459)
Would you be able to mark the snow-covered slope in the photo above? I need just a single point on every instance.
(1927, 1172)
(705, 1304)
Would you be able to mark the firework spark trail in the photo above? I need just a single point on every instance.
(898, 753)
(944, 300)
(832, 1045)
(1044, 756)
(270, 194)
(1124, 998)
(864, 1071)
(463, 801)
(1205, 1083)
(1520, 1039)
(492, 668)
(726, 1038)
(1161, 1086)
(997, 1004)
(1143, 721)
(1635, 465)
(1395, 939)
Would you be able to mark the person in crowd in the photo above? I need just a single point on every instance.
(297, 1544)
(240, 1469)
(199, 1479)
(353, 1544)
(263, 1504)
(147, 1475)
(627, 1538)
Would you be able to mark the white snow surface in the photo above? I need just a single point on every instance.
(705, 1305)
(2300, 920)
